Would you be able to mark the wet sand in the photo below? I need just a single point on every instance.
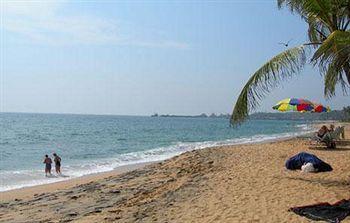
(28, 192)
(243, 183)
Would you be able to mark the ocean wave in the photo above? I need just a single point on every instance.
(305, 127)
(25, 178)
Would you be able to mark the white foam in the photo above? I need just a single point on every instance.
(25, 178)
(305, 127)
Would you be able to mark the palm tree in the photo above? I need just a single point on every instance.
(328, 48)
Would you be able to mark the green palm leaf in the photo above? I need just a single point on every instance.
(322, 16)
(333, 58)
(337, 43)
(280, 67)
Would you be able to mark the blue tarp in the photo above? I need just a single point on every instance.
(295, 162)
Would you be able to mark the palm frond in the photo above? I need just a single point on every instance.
(328, 32)
(317, 31)
(293, 5)
(280, 67)
(322, 16)
(336, 44)
(307, 8)
(330, 81)
(332, 78)
(333, 58)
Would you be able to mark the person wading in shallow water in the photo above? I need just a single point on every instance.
(57, 161)
(47, 162)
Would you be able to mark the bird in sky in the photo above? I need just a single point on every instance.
(285, 44)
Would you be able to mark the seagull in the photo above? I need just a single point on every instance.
(285, 44)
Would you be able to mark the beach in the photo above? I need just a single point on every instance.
(241, 183)
(90, 145)
(188, 112)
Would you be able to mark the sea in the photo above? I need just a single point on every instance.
(90, 144)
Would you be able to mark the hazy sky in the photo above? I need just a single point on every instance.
(137, 58)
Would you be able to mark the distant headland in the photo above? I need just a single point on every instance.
(203, 115)
(341, 115)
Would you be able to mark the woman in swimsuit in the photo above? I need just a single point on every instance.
(57, 161)
(47, 162)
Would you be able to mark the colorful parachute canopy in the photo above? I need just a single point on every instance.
(294, 104)
(294, 101)
(320, 108)
(300, 105)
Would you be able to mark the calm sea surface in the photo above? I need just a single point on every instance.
(95, 143)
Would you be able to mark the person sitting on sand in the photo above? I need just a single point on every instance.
(57, 161)
(324, 135)
(322, 131)
(331, 128)
(337, 133)
(47, 162)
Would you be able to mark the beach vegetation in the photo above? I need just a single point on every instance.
(346, 111)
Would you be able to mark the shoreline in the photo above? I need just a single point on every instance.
(240, 183)
(7, 194)
(29, 191)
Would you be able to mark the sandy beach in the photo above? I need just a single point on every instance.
(243, 183)
(174, 111)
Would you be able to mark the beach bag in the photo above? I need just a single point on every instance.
(297, 161)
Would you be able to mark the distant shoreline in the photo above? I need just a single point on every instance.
(203, 115)
(293, 116)
(334, 115)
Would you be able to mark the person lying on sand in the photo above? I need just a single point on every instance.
(57, 161)
(47, 162)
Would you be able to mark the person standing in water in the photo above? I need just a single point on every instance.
(57, 161)
(47, 162)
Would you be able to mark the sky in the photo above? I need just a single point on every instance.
(142, 57)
